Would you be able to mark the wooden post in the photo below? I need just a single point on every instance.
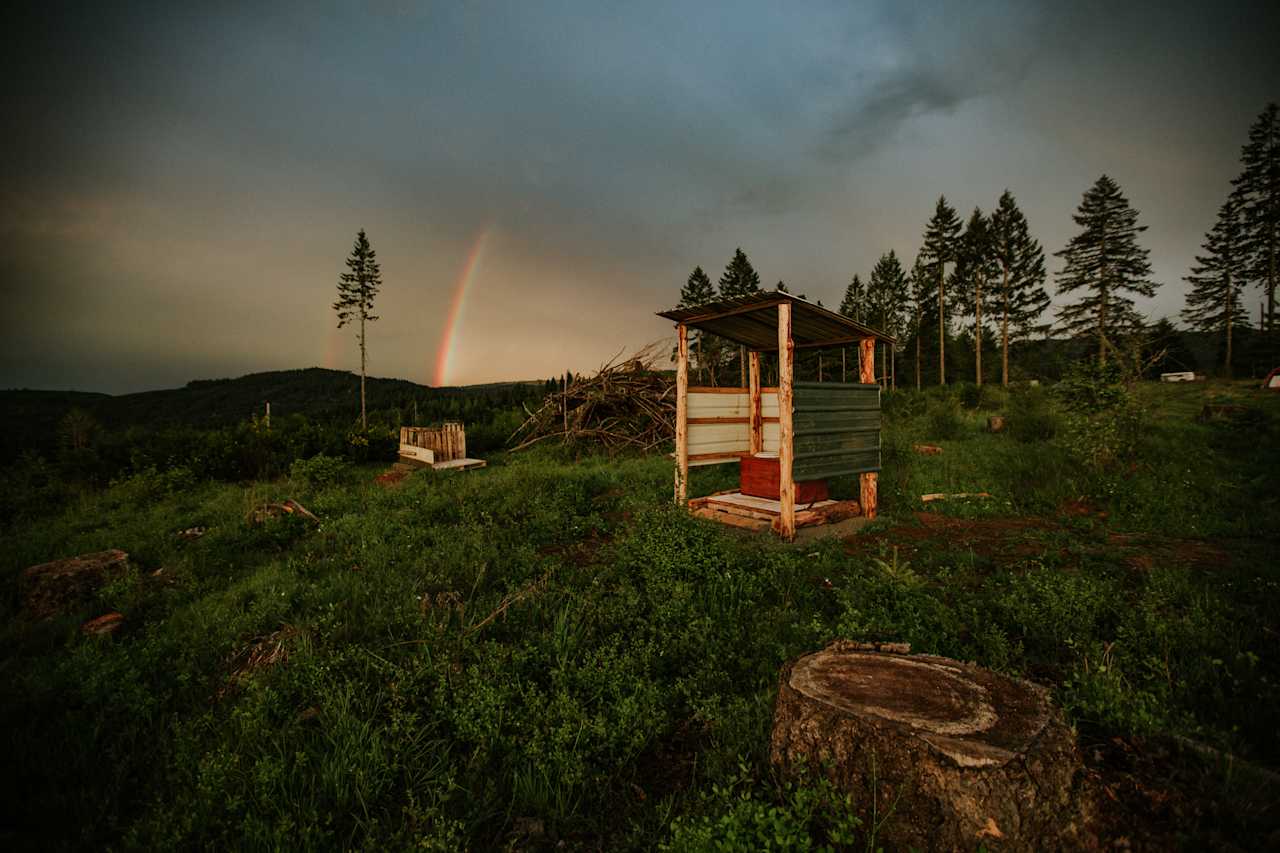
(867, 497)
(682, 415)
(843, 378)
(757, 422)
(786, 450)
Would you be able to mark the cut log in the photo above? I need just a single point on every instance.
(995, 423)
(948, 755)
(927, 449)
(62, 585)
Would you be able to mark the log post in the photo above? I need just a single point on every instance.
(786, 450)
(682, 415)
(757, 422)
(867, 486)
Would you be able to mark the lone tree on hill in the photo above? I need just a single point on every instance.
(1258, 193)
(975, 266)
(1213, 304)
(941, 242)
(739, 279)
(1106, 262)
(1020, 284)
(698, 290)
(887, 301)
(356, 290)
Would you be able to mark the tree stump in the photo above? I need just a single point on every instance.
(938, 754)
(995, 423)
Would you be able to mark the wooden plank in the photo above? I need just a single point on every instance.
(756, 524)
(786, 485)
(702, 389)
(459, 464)
(868, 487)
(694, 421)
(682, 414)
(717, 457)
(756, 435)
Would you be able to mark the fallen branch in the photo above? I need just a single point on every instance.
(941, 496)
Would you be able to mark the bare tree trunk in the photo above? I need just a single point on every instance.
(942, 328)
(364, 422)
(919, 319)
(977, 325)
(1004, 333)
(1228, 312)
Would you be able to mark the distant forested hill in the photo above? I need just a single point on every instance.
(33, 417)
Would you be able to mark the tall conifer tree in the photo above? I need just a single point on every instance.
(941, 242)
(887, 296)
(357, 288)
(1258, 194)
(1213, 304)
(739, 279)
(698, 290)
(920, 286)
(854, 303)
(975, 267)
(1105, 262)
(1020, 295)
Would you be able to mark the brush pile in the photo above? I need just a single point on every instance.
(627, 405)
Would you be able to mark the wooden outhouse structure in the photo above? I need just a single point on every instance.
(814, 430)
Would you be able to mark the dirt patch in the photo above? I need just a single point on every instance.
(670, 764)
(1000, 539)
(391, 478)
(1151, 794)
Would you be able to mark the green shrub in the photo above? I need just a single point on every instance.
(944, 419)
(320, 471)
(1031, 415)
(970, 395)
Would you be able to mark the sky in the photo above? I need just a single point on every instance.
(181, 186)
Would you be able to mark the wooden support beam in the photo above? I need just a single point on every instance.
(786, 433)
(682, 415)
(757, 431)
(867, 485)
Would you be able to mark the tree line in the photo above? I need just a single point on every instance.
(988, 273)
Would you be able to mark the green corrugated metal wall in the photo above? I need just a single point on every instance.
(837, 429)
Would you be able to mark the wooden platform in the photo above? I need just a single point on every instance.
(754, 513)
(449, 465)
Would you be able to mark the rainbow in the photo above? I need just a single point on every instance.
(444, 354)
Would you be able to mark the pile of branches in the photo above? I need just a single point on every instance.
(627, 405)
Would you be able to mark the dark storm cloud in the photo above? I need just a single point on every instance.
(182, 183)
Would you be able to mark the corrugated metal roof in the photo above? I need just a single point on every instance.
(753, 322)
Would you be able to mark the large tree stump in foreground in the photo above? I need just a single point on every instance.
(948, 755)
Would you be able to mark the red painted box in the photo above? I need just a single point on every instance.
(758, 477)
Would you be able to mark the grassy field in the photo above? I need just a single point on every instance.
(545, 651)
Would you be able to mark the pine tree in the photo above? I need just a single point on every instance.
(356, 291)
(920, 285)
(1258, 193)
(1213, 304)
(1106, 262)
(887, 295)
(698, 290)
(854, 304)
(941, 242)
(739, 279)
(1020, 292)
(975, 267)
